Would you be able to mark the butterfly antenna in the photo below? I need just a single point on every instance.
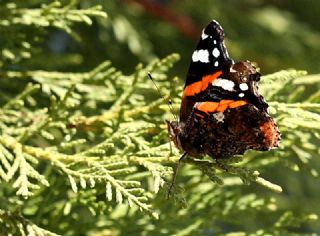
(169, 103)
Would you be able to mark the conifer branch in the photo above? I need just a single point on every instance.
(19, 225)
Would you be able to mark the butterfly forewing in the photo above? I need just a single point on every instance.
(209, 61)
(210, 55)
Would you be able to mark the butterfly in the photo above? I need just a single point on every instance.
(222, 113)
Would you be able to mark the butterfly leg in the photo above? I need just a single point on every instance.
(175, 173)
(170, 146)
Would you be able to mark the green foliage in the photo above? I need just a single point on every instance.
(87, 153)
(18, 22)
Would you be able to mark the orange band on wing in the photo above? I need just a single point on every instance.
(226, 102)
(192, 89)
(237, 104)
(208, 106)
(206, 80)
(201, 85)
(221, 106)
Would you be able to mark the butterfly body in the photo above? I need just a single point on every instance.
(222, 113)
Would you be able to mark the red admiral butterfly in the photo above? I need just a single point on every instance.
(222, 113)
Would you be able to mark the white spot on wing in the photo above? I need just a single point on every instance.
(216, 52)
(216, 63)
(241, 95)
(243, 86)
(214, 41)
(232, 70)
(224, 83)
(201, 55)
(204, 35)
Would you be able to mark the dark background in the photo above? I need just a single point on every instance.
(275, 34)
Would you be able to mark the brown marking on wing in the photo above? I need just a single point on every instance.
(271, 134)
